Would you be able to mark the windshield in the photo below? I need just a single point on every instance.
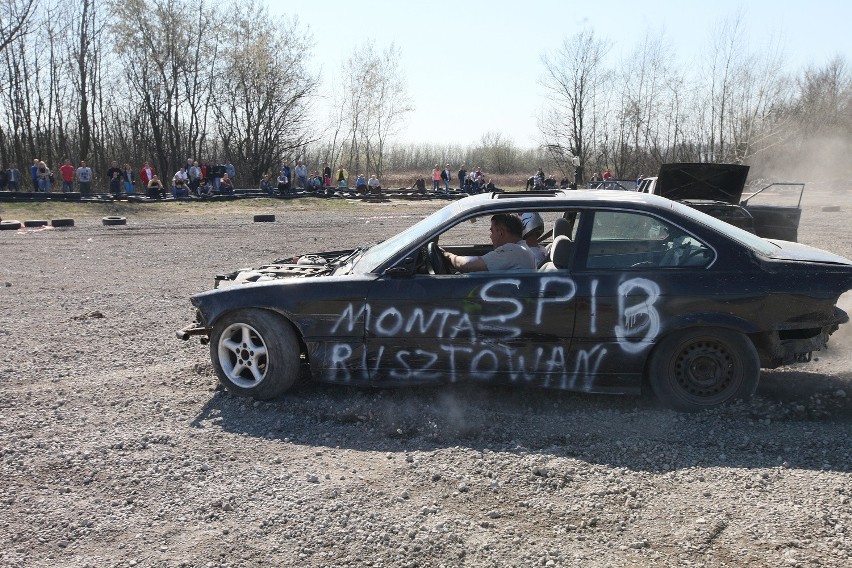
(377, 254)
(742, 236)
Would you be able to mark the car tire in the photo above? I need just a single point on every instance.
(10, 225)
(264, 218)
(35, 223)
(255, 353)
(111, 221)
(697, 369)
(62, 222)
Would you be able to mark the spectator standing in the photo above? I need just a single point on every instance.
(128, 177)
(436, 178)
(43, 177)
(231, 171)
(113, 169)
(302, 175)
(115, 181)
(84, 178)
(66, 171)
(34, 173)
(462, 176)
(478, 180)
(285, 170)
(202, 164)
(13, 177)
(446, 176)
(607, 175)
(194, 173)
(146, 174)
(326, 174)
(342, 177)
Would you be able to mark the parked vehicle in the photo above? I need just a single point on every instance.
(640, 292)
(774, 211)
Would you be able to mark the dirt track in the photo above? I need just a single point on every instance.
(117, 448)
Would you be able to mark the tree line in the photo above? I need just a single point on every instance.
(731, 106)
(167, 80)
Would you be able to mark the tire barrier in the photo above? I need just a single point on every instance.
(10, 225)
(264, 218)
(62, 222)
(110, 221)
(36, 223)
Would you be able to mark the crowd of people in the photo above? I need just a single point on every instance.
(200, 179)
(193, 178)
(288, 181)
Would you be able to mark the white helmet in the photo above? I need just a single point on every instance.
(532, 222)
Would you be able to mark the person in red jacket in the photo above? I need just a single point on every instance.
(67, 172)
(146, 174)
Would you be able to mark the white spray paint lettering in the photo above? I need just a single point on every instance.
(482, 356)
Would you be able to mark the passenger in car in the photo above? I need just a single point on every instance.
(510, 250)
(533, 230)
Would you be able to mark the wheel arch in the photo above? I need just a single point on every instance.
(284, 315)
(746, 380)
(688, 322)
(707, 319)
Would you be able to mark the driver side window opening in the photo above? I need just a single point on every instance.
(627, 240)
(472, 237)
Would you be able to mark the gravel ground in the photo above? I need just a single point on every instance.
(117, 447)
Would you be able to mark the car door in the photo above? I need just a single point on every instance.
(511, 326)
(625, 267)
(777, 210)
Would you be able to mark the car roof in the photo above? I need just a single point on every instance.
(562, 198)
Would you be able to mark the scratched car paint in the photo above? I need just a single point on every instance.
(650, 294)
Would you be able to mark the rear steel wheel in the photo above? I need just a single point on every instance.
(702, 368)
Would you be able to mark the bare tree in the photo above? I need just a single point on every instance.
(574, 76)
(375, 104)
(262, 106)
(14, 15)
(169, 73)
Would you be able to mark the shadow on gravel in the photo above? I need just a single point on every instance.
(795, 420)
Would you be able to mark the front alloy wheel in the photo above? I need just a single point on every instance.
(255, 353)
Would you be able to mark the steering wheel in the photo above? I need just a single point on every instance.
(437, 261)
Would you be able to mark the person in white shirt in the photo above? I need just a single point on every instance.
(510, 250)
(180, 183)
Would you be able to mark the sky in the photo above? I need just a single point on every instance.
(473, 67)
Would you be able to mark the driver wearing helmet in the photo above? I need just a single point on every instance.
(533, 230)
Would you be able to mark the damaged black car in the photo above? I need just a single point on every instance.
(638, 292)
